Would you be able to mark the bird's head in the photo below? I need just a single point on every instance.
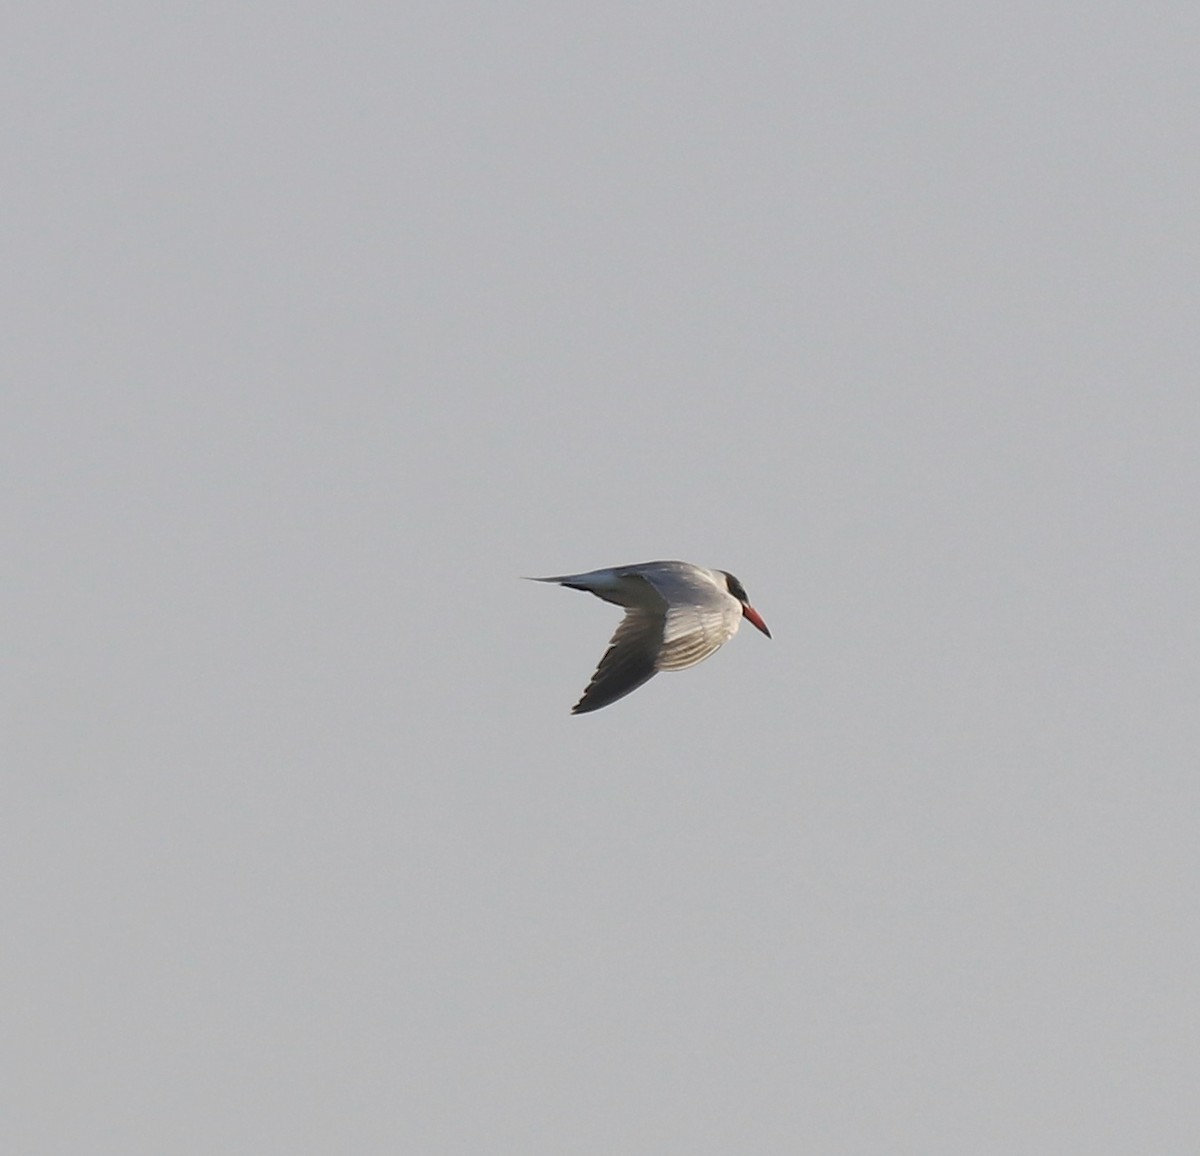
(738, 591)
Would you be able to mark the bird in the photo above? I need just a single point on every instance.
(676, 615)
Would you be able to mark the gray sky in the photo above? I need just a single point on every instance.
(325, 323)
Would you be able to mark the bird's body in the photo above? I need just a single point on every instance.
(676, 615)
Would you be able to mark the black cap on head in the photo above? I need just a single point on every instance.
(735, 587)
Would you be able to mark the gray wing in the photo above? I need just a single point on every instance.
(629, 661)
(674, 637)
(692, 633)
(700, 618)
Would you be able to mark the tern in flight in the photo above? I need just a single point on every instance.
(676, 615)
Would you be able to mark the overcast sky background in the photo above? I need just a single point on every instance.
(325, 323)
